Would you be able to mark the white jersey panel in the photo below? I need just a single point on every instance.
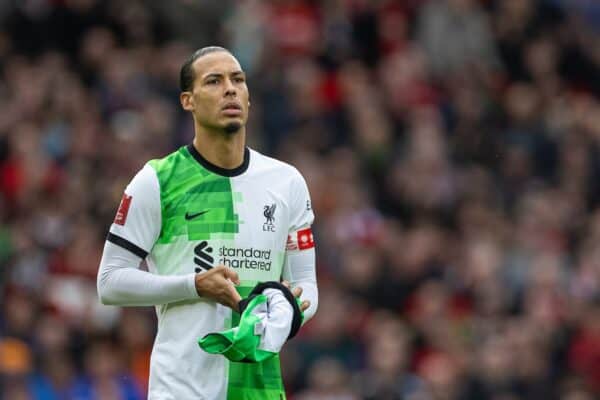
(138, 218)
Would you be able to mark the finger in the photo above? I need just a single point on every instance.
(297, 291)
(305, 304)
(229, 296)
(285, 283)
(235, 299)
(232, 275)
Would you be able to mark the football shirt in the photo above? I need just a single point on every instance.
(185, 215)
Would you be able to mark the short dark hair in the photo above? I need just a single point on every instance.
(187, 75)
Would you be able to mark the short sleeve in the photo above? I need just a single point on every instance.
(138, 221)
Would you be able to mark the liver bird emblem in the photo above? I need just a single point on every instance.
(269, 212)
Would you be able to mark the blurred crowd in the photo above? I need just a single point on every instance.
(452, 150)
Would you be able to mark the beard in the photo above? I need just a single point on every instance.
(232, 127)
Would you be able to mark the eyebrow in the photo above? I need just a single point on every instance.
(219, 75)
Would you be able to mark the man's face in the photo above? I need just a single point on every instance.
(219, 98)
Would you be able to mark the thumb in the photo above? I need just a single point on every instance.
(232, 275)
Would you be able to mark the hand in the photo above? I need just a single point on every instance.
(217, 284)
(297, 291)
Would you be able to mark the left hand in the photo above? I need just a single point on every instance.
(297, 291)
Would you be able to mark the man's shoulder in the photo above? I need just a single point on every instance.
(169, 161)
(266, 163)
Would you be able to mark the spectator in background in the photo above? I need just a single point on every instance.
(450, 146)
(457, 37)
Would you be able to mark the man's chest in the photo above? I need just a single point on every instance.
(243, 227)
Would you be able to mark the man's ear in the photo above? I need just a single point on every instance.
(187, 101)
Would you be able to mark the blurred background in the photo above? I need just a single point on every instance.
(452, 149)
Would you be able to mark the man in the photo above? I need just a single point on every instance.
(211, 220)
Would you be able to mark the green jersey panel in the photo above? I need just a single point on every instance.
(190, 193)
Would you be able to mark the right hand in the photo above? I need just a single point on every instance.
(217, 284)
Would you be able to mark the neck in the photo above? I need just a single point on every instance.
(225, 150)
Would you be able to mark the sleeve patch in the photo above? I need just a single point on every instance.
(121, 216)
(305, 239)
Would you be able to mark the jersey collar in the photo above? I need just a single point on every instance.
(218, 170)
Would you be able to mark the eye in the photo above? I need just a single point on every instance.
(212, 81)
(240, 79)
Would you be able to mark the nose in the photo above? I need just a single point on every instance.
(230, 88)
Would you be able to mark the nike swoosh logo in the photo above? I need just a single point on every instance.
(189, 216)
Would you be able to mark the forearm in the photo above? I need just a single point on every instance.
(299, 270)
(120, 282)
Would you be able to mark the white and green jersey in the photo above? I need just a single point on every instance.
(184, 216)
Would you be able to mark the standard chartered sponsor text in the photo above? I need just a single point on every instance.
(249, 258)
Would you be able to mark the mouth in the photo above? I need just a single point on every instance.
(232, 106)
(232, 109)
